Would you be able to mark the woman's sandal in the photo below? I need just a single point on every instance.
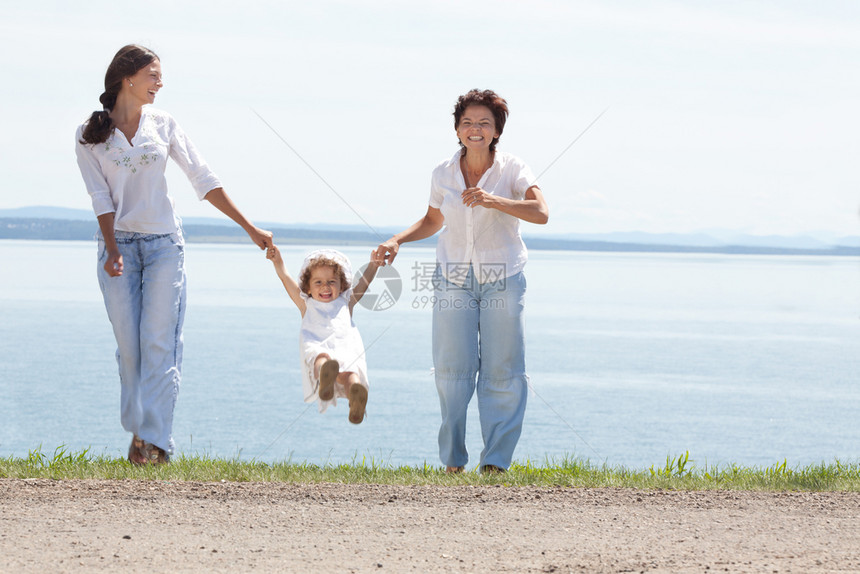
(328, 376)
(154, 455)
(141, 453)
(357, 403)
(135, 451)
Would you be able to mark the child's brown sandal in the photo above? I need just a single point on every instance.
(357, 403)
(328, 376)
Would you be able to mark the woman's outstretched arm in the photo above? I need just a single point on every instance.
(421, 229)
(219, 198)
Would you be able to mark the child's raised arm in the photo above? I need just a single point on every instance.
(274, 255)
(361, 286)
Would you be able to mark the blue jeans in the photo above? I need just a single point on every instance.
(146, 307)
(478, 331)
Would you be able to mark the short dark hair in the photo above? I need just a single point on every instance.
(489, 99)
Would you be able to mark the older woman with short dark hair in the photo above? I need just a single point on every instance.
(479, 195)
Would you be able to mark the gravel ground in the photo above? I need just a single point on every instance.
(140, 526)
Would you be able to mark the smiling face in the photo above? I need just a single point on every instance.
(324, 283)
(144, 85)
(477, 128)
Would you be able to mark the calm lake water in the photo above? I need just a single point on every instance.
(632, 358)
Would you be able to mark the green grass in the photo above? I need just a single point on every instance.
(679, 473)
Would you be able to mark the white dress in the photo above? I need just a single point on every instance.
(328, 328)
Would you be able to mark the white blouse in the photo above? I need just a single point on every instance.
(128, 179)
(486, 239)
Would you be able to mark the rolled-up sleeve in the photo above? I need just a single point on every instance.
(524, 180)
(183, 152)
(94, 179)
(437, 193)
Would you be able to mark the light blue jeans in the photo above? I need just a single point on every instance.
(146, 307)
(478, 331)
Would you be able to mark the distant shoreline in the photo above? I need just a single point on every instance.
(79, 230)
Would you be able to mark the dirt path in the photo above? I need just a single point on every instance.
(136, 526)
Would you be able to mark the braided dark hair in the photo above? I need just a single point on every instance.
(126, 63)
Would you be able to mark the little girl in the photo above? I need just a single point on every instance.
(332, 352)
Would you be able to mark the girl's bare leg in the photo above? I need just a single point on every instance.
(346, 380)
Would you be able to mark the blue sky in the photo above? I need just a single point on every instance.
(740, 116)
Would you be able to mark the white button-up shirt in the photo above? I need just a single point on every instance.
(128, 179)
(486, 239)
